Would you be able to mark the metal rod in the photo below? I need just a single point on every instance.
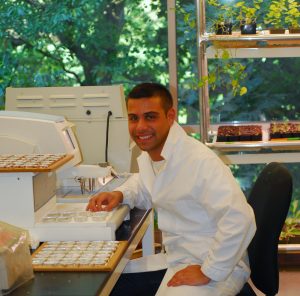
(202, 71)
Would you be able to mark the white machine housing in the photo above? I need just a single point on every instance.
(31, 133)
(87, 107)
(27, 197)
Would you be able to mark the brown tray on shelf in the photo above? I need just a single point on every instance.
(108, 266)
(50, 162)
(264, 143)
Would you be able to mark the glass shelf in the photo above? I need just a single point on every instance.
(213, 52)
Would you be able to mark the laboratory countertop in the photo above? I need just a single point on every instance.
(82, 283)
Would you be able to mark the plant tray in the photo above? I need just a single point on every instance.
(287, 143)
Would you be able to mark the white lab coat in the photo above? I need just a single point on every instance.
(202, 212)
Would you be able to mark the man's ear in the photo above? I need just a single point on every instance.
(171, 115)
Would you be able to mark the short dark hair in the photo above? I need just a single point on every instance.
(150, 90)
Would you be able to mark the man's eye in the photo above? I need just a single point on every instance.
(132, 118)
(150, 116)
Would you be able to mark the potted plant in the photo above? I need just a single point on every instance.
(247, 16)
(223, 23)
(292, 16)
(275, 16)
(223, 26)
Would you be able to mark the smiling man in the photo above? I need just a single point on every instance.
(204, 217)
(149, 122)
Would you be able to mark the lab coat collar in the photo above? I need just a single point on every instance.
(144, 161)
(175, 134)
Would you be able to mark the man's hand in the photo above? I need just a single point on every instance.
(105, 201)
(191, 276)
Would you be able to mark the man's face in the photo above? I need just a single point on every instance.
(149, 125)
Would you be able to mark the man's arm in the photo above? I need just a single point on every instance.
(131, 193)
(134, 193)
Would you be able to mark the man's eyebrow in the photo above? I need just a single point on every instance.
(151, 112)
(146, 113)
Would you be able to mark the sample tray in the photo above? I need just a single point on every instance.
(12, 163)
(71, 222)
(78, 255)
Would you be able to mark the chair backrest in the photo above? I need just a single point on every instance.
(270, 199)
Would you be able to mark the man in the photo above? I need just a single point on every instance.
(204, 217)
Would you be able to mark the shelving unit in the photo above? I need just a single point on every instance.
(259, 45)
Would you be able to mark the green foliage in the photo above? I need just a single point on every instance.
(187, 60)
(228, 72)
(248, 14)
(224, 14)
(292, 14)
(273, 93)
(282, 13)
(292, 223)
(272, 83)
(82, 42)
(276, 14)
(232, 69)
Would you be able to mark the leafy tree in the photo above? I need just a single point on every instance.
(82, 42)
(187, 66)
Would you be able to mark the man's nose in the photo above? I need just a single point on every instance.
(141, 124)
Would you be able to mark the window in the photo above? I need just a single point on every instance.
(91, 42)
(84, 42)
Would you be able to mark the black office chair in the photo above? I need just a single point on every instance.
(270, 199)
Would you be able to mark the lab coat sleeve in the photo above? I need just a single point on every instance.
(134, 193)
(234, 220)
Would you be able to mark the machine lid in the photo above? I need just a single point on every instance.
(31, 115)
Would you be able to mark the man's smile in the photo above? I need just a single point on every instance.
(144, 137)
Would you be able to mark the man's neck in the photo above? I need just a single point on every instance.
(155, 156)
